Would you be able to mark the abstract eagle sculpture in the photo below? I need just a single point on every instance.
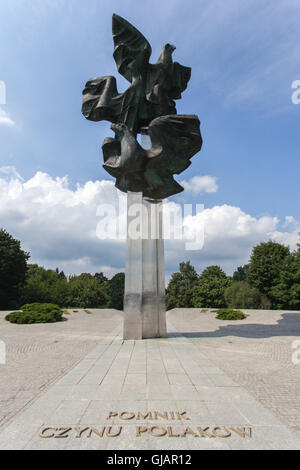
(147, 106)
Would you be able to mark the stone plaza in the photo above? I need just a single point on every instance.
(134, 373)
(209, 385)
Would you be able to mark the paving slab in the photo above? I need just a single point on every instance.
(149, 394)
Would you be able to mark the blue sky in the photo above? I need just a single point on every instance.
(244, 58)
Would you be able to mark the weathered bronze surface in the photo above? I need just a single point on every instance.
(147, 105)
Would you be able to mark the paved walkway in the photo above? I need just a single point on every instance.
(150, 394)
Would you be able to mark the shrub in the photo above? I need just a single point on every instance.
(36, 313)
(229, 314)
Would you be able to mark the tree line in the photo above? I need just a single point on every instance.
(271, 279)
(23, 283)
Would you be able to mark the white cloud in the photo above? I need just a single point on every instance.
(287, 238)
(229, 236)
(290, 219)
(5, 119)
(57, 224)
(199, 184)
(10, 171)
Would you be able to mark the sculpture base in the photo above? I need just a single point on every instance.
(144, 299)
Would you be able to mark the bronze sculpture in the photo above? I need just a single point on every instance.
(146, 106)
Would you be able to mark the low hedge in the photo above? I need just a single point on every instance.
(36, 313)
(230, 314)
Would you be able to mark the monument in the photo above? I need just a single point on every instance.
(147, 108)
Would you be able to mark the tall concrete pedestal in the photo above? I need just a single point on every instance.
(144, 299)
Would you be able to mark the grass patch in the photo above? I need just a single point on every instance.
(230, 314)
(88, 312)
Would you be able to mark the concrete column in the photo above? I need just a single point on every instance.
(144, 300)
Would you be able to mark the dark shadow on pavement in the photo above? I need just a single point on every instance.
(288, 325)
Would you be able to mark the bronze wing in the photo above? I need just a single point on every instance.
(175, 139)
(131, 49)
(180, 78)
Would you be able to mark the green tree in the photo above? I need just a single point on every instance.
(13, 262)
(60, 274)
(210, 288)
(179, 291)
(240, 295)
(116, 291)
(241, 273)
(84, 291)
(100, 277)
(105, 289)
(45, 285)
(84, 276)
(286, 293)
(266, 263)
